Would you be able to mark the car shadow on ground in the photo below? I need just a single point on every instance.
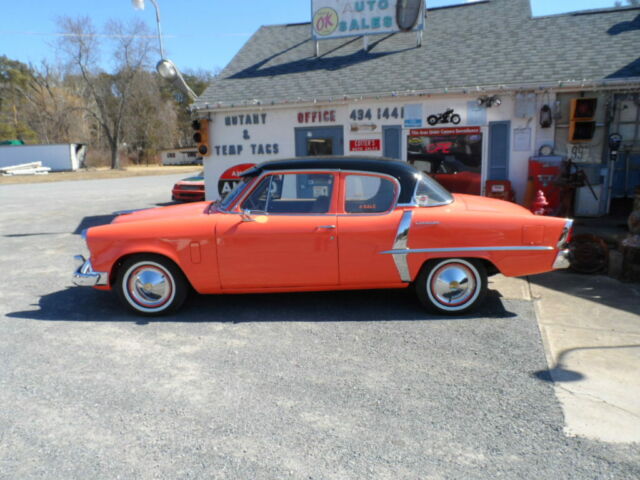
(94, 221)
(88, 305)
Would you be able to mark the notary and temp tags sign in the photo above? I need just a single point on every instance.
(348, 18)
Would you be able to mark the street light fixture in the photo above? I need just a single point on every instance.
(165, 67)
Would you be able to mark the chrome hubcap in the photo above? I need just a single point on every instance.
(453, 284)
(150, 286)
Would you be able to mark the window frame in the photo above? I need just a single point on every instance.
(343, 192)
(237, 207)
(414, 196)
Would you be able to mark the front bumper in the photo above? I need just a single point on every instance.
(562, 259)
(84, 276)
(188, 195)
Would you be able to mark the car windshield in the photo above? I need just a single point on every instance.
(228, 200)
(430, 193)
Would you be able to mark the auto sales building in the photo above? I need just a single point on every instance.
(485, 92)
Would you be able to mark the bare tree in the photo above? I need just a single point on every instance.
(14, 78)
(52, 107)
(150, 122)
(107, 94)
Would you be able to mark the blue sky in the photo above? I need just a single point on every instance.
(199, 34)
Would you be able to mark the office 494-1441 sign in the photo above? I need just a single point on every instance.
(346, 18)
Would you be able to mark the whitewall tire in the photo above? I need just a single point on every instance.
(151, 285)
(452, 285)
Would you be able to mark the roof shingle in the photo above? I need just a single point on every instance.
(488, 43)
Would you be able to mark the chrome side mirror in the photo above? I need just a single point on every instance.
(246, 216)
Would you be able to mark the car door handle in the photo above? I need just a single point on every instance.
(327, 227)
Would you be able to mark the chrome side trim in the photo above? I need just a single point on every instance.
(464, 249)
(428, 223)
(400, 246)
(562, 260)
(565, 233)
(85, 276)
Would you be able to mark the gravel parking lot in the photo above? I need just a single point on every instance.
(343, 385)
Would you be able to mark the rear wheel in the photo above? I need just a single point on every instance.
(151, 285)
(452, 285)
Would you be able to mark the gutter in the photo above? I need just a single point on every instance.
(558, 86)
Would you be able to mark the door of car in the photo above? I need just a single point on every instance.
(367, 225)
(283, 234)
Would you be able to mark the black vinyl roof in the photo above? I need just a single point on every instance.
(405, 173)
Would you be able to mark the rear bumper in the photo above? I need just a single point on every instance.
(562, 259)
(85, 276)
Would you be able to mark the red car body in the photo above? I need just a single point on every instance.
(308, 225)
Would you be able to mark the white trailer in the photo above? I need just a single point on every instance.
(180, 156)
(59, 158)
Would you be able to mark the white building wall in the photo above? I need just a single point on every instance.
(255, 135)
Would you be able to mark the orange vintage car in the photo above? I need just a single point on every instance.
(323, 224)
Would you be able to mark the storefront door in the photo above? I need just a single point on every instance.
(316, 141)
(391, 141)
(626, 170)
(499, 133)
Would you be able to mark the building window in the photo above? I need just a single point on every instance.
(319, 146)
(454, 160)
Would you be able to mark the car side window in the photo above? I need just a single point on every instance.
(257, 200)
(368, 194)
(292, 193)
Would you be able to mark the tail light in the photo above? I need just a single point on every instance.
(567, 233)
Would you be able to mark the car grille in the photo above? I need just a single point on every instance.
(190, 187)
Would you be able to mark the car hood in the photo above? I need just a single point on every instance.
(162, 213)
(475, 203)
(191, 181)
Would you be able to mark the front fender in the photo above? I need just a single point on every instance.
(190, 244)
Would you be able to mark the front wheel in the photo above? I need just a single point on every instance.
(451, 285)
(151, 285)
(455, 119)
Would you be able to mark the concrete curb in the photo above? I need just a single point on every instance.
(590, 330)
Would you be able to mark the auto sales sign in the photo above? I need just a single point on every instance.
(347, 18)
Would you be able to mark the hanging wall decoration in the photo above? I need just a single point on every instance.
(546, 117)
(448, 116)
(546, 114)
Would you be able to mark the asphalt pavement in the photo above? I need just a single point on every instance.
(345, 385)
